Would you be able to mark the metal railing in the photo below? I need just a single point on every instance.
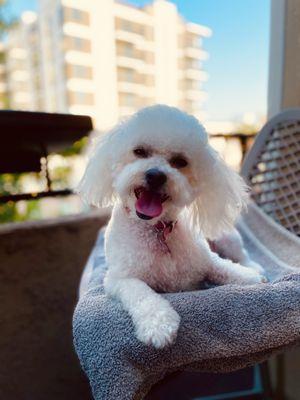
(28, 138)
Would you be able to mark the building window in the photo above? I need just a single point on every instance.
(79, 71)
(128, 99)
(76, 15)
(192, 84)
(128, 50)
(191, 106)
(193, 64)
(126, 75)
(78, 44)
(129, 26)
(81, 98)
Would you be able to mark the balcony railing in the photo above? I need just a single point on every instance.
(29, 139)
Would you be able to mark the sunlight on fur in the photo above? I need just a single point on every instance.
(171, 192)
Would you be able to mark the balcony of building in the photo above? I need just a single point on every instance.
(74, 29)
(77, 57)
(198, 30)
(194, 74)
(194, 53)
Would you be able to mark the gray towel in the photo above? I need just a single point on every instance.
(222, 329)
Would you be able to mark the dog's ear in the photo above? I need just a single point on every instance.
(223, 195)
(95, 186)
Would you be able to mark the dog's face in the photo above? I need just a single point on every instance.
(158, 163)
(156, 176)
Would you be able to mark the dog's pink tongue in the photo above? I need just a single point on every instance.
(149, 204)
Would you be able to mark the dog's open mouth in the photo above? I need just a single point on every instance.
(149, 204)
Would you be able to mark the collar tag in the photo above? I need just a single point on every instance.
(163, 229)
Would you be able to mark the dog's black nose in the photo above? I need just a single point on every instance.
(155, 178)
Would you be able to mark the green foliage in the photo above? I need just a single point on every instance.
(13, 183)
(59, 176)
(8, 211)
(76, 148)
(11, 211)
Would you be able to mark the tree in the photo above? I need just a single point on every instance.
(5, 21)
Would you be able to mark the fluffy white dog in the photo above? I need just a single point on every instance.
(171, 192)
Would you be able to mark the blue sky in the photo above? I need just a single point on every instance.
(238, 48)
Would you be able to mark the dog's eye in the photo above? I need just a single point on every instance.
(178, 162)
(141, 152)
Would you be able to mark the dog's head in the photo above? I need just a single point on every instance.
(158, 163)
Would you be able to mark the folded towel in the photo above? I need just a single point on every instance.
(222, 329)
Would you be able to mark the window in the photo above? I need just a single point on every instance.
(128, 99)
(81, 98)
(79, 71)
(130, 26)
(127, 25)
(193, 84)
(128, 50)
(76, 15)
(193, 64)
(79, 44)
(126, 74)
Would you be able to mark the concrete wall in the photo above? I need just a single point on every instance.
(40, 267)
(284, 63)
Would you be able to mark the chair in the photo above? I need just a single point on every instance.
(271, 230)
(272, 225)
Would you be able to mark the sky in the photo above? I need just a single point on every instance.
(238, 49)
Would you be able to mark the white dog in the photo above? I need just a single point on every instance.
(171, 192)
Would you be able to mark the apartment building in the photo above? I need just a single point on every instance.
(107, 59)
(22, 65)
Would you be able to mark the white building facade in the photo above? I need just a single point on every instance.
(22, 65)
(107, 59)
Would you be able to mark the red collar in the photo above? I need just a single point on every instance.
(162, 230)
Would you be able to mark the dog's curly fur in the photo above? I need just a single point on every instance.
(204, 198)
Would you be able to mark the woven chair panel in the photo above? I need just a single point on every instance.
(275, 179)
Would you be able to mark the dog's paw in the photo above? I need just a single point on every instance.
(254, 265)
(159, 328)
(251, 276)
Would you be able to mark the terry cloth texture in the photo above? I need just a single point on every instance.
(222, 329)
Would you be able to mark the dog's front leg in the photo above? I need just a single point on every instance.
(225, 271)
(155, 321)
(230, 245)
